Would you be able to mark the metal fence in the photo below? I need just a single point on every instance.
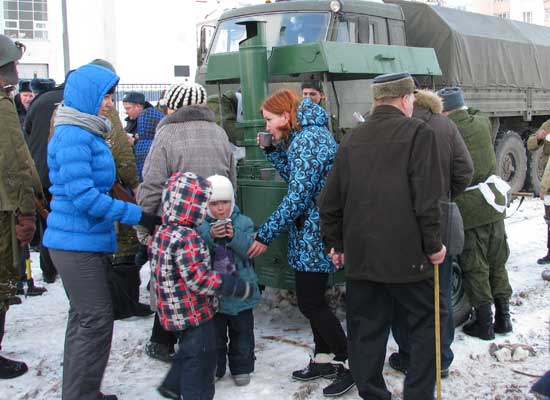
(153, 92)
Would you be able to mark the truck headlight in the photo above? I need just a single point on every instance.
(335, 6)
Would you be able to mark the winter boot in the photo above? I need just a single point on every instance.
(318, 367)
(397, 363)
(545, 259)
(19, 289)
(168, 393)
(159, 351)
(34, 290)
(11, 369)
(502, 316)
(101, 396)
(341, 384)
(241, 379)
(142, 310)
(481, 325)
(14, 300)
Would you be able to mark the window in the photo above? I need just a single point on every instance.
(503, 15)
(26, 19)
(528, 17)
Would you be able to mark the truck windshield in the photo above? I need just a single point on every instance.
(281, 29)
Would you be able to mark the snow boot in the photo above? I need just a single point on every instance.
(241, 379)
(19, 289)
(502, 316)
(159, 351)
(101, 396)
(168, 393)
(11, 369)
(396, 362)
(545, 259)
(341, 384)
(34, 290)
(14, 300)
(481, 325)
(318, 367)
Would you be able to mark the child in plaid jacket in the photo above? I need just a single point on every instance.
(187, 287)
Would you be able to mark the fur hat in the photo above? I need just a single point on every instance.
(185, 94)
(453, 98)
(134, 97)
(24, 86)
(392, 85)
(222, 189)
(41, 85)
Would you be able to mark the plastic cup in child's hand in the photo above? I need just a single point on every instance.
(265, 139)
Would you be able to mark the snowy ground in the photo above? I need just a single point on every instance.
(35, 333)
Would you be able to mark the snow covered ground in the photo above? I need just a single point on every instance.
(36, 328)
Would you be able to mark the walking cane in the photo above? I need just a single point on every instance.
(437, 333)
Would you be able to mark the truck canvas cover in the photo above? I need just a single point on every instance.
(480, 51)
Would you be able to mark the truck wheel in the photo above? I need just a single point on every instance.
(536, 169)
(461, 305)
(511, 160)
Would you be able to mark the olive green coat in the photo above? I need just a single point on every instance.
(533, 144)
(16, 195)
(126, 170)
(475, 129)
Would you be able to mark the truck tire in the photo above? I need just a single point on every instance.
(511, 160)
(461, 304)
(536, 169)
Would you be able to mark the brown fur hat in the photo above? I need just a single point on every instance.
(430, 100)
(392, 85)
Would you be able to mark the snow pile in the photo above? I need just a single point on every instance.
(36, 329)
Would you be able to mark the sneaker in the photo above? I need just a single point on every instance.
(159, 352)
(168, 393)
(544, 260)
(342, 384)
(241, 379)
(315, 370)
(397, 363)
(10, 369)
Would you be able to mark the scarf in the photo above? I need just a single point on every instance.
(65, 115)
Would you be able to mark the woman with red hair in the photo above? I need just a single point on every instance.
(303, 154)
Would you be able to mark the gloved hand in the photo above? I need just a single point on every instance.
(149, 221)
(233, 286)
(24, 230)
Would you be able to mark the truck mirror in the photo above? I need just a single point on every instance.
(206, 36)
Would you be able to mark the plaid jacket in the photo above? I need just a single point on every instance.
(186, 285)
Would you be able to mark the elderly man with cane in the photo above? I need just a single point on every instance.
(380, 207)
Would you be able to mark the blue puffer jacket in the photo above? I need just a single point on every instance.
(82, 171)
(305, 165)
(243, 229)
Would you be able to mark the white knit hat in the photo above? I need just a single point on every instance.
(222, 189)
(185, 94)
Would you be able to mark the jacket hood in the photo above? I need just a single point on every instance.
(86, 87)
(310, 113)
(430, 100)
(187, 114)
(185, 199)
(147, 122)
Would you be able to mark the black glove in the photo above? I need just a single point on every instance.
(149, 221)
(236, 287)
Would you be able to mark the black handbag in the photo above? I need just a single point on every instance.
(452, 227)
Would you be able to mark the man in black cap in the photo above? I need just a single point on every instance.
(134, 103)
(23, 100)
(380, 208)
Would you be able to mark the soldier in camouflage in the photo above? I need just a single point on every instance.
(16, 193)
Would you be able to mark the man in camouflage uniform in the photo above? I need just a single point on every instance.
(16, 193)
(535, 142)
(486, 249)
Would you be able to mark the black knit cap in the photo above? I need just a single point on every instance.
(134, 97)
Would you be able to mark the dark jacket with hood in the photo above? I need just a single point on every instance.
(380, 205)
(186, 285)
(131, 124)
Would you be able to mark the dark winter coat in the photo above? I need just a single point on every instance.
(304, 162)
(147, 123)
(186, 286)
(131, 124)
(21, 110)
(380, 205)
(475, 129)
(37, 129)
(457, 166)
(243, 236)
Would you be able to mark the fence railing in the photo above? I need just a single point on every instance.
(153, 92)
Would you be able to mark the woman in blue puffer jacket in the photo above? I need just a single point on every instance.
(303, 156)
(81, 231)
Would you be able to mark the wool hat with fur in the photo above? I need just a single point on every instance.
(185, 94)
(134, 97)
(392, 85)
(453, 98)
(24, 86)
(222, 189)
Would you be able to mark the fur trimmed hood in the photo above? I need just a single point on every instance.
(187, 114)
(430, 100)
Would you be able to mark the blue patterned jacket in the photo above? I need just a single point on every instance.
(303, 161)
(147, 122)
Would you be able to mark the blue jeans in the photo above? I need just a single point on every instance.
(400, 329)
(193, 366)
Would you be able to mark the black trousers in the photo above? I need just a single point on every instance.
(369, 318)
(162, 336)
(328, 335)
(2, 326)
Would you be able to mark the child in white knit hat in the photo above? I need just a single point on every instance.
(229, 234)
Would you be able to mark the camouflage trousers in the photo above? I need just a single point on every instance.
(10, 258)
(483, 260)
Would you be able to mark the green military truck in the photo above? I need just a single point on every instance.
(499, 64)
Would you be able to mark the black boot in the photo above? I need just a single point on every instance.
(11, 369)
(502, 316)
(481, 325)
(19, 289)
(318, 367)
(545, 259)
(34, 290)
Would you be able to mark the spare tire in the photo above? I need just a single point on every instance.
(511, 160)
(461, 304)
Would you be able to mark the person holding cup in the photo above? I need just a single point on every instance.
(302, 152)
